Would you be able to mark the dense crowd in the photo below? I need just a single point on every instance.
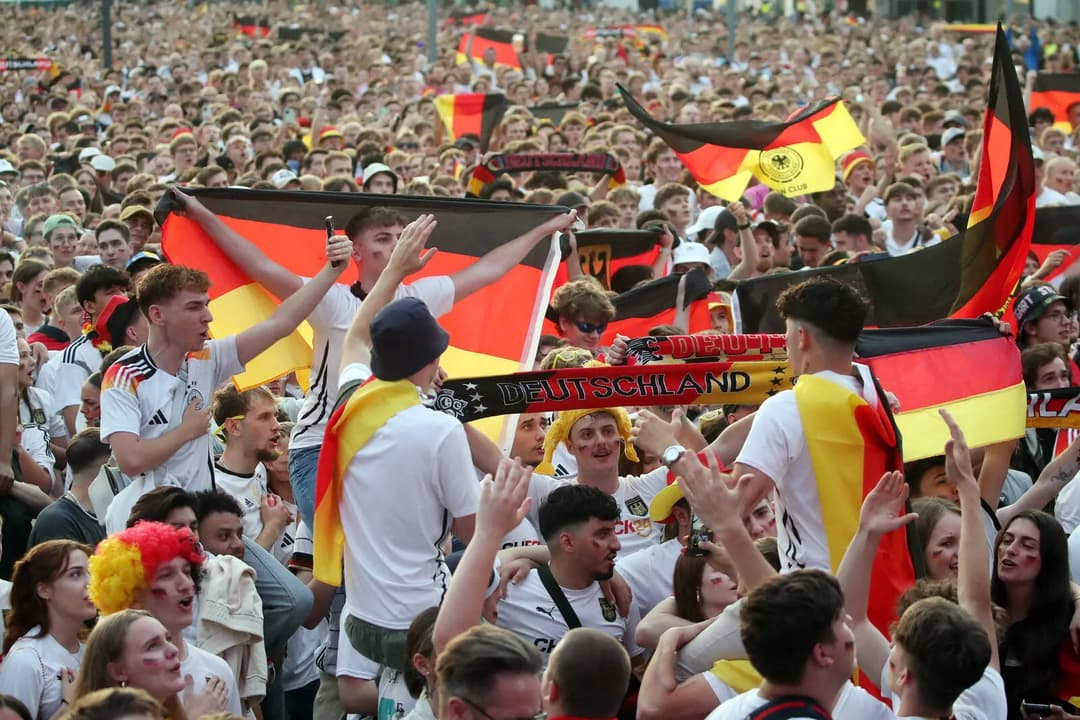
(174, 547)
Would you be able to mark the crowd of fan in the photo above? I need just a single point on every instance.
(148, 498)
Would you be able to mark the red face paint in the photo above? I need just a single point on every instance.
(158, 592)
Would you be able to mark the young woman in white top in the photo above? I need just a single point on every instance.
(50, 605)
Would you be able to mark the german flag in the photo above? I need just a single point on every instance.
(552, 113)
(603, 252)
(1057, 228)
(475, 113)
(1059, 93)
(251, 25)
(966, 366)
(288, 227)
(998, 235)
(474, 44)
(467, 18)
(969, 274)
(794, 157)
(639, 310)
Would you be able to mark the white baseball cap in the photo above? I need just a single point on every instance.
(690, 252)
(283, 177)
(102, 163)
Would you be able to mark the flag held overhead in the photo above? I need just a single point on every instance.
(794, 157)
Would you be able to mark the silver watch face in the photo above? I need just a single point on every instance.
(672, 454)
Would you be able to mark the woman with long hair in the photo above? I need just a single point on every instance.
(132, 649)
(28, 292)
(50, 606)
(1031, 581)
(938, 528)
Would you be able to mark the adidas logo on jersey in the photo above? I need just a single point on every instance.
(159, 418)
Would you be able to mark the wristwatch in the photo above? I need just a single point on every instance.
(743, 227)
(672, 455)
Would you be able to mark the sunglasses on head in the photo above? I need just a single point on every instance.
(590, 328)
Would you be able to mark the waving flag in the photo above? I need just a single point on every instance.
(288, 228)
(473, 45)
(1060, 94)
(794, 157)
(639, 310)
(969, 274)
(471, 113)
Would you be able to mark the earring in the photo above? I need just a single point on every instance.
(123, 683)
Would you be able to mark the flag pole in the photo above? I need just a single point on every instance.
(432, 29)
(106, 32)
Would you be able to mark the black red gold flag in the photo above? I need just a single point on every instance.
(501, 42)
(12, 64)
(603, 252)
(1057, 228)
(796, 157)
(289, 228)
(969, 274)
(474, 113)
(966, 366)
(639, 310)
(251, 25)
(1054, 408)
(467, 17)
(551, 112)
(1060, 94)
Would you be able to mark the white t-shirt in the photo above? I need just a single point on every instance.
(248, 491)
(46, 375)
(854, 704)
(1053, 198)
(985, 700)
(40, 427)
(776, 446)
(9, 341)
(401, 493)
(31, 668)
(634, 528)
(79, 361)
(650, 574)
(1067, 506)
(330, 320)
(137, 398)
(529, 611)
(201, 666)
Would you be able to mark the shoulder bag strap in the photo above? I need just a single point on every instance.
(558, 597)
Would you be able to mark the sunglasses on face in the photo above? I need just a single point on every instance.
(590, 328)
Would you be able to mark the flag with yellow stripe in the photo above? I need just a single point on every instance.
(794, 157)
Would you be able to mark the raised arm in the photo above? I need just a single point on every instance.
(1055, 476)
(747, 267)
(499, 261)
(720, 506)
(404, 261)
(973, 579)
(292, 311)
(503, 504)
(882, 512)
(275, 278)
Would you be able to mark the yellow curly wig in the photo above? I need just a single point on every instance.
(559, 431)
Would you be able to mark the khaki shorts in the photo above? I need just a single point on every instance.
(378, 644)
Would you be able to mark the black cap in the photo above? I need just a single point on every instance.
(404, 338)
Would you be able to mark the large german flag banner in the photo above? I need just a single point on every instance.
(966, 366)
(968, 274)
(467, 17)
(289, 228)
(474, 44)
(601, 253)
(794, 157)
(471, 113)
(1060, 94)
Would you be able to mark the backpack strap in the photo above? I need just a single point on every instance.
(791, 707)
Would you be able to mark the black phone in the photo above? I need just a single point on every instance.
(698, 534)
(329, 234)
(1039, 709)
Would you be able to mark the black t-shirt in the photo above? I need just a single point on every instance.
(65, 520)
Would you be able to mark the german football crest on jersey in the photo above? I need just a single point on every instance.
(608, 609)
(637, 506)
